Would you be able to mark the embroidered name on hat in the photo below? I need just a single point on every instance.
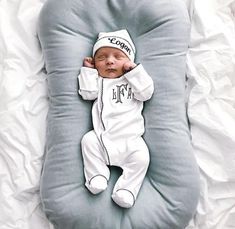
(122, 45)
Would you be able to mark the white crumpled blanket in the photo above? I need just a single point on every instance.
(23, 110)
(211, 109)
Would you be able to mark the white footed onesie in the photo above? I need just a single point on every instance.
(118, 128)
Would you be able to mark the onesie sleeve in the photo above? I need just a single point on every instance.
(88, 83)
(142, 84)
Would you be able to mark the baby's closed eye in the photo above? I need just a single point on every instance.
(101, 57)
(119, 55)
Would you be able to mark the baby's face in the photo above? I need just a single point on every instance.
(109, 62)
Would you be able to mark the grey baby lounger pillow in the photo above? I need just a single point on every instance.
(169, 194)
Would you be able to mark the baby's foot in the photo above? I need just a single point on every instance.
(123, 198)
(98, 184)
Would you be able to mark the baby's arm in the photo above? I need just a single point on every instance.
(88, 80)
(142, 84)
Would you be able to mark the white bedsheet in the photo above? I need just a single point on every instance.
(23, 109)
(211, 109)
(24, 105)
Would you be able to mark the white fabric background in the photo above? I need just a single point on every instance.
(211, 109)
(23, 109)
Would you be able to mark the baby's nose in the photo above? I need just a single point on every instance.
(110, 60)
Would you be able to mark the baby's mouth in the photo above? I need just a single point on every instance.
(110, 70)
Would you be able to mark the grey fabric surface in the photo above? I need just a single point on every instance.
(160, 29)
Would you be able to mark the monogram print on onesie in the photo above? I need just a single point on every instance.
(121, 93)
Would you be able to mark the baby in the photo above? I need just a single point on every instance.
(119, 87)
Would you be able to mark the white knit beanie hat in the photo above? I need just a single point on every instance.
(119, 39)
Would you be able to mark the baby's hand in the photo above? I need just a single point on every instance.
(128, 66)
(88, 62)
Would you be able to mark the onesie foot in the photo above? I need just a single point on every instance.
(123, 198)
(98, 184)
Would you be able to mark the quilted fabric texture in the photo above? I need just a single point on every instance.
(160, 29)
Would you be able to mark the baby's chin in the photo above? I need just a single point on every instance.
(112, 75)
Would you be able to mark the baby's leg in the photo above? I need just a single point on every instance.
(134, 168)
(96, 171)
